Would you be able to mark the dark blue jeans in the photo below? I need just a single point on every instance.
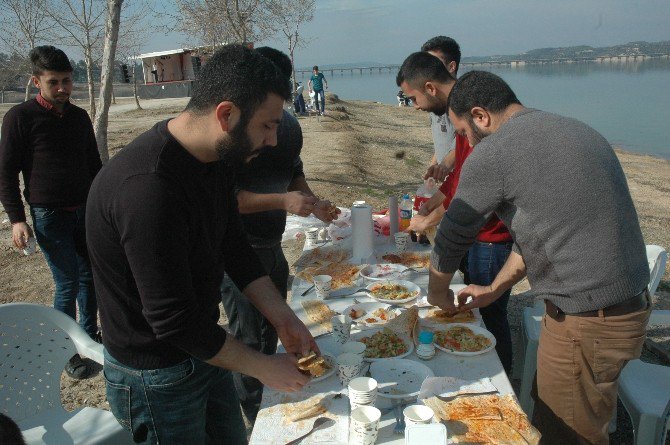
(484, 262)
(62, 237)
(249, 326)
(191, 402)
(319, 95)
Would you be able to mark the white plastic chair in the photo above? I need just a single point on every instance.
(531, 322)
(36, 343)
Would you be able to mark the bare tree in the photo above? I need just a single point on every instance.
(80, 23)
(11, 67)
(24, 25)
(214, 22)
(288, 16)
(112, 24)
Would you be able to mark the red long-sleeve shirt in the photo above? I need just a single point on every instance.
(494, 231)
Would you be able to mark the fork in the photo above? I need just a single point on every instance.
(399, 427)
(411, 269)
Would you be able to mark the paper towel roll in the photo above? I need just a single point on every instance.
(393, 216)
(362, 233)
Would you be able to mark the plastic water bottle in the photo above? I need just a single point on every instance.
(424, 193)
(426, 349)
(405, 212)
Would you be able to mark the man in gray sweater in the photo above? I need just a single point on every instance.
(558, 186)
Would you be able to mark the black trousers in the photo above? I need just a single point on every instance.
(249, 326)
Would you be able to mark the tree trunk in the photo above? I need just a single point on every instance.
(113, 95)
(137, 99)
(109, 52)
(27, 96)
(88, 58)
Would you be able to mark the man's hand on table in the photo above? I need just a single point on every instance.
(282, 374)
(444, 301)
(482, 296)
(295, 337)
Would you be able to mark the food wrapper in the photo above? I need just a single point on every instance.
(446, 387)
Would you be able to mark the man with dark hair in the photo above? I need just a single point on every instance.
(316, 83)
(164, 228)
(549, 178)
(268, 187)
(51, 143)
(444, 138)
(426, 80)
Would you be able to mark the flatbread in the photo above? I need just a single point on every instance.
(320, 256)
(343, 274)
(440, 316)
(409, 259)
(404, 323)
(312, 407)
(319, 314)
(490, 419)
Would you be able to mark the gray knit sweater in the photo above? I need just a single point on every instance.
(558, 186)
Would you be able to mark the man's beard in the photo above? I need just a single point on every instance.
(435, 106)
(236, 149)
(477, 134)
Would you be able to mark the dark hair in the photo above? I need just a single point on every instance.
(240, 75)
(419, 68)
(315, 67)
(49, 58)
(448, 46)
(480, 89)
(278, 58)
(10, 434)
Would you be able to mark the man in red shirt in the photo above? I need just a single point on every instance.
(427, 82)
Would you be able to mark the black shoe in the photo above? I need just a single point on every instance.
(77, 369)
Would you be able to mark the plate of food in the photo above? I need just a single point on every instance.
(371, 313)
(416, 260)
(344, 274)
(381, 272)
(317, 367)
(383, 344)
(464, 339)
(436, 317)
(394, 291)
(399, 378)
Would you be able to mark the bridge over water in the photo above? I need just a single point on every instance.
(513, 63)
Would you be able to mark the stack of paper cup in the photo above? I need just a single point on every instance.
(393, 215)
(354, 347)
(341, 328)
(323, 285)
(362, 232)
(348, 367)
(364, 425)
(362, 391)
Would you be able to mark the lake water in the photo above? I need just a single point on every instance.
(627, 102)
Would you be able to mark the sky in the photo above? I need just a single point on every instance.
(386, 31)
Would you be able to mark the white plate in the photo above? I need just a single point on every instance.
(399, 378)
(476, 330)
(411, 287)
(381, 272)
(436, 325)
(369, 308)
(333, 366)
(359, 335)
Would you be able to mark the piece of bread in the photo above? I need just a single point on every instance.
(313, 365)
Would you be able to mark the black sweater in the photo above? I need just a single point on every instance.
(57, 154)
(162, 228)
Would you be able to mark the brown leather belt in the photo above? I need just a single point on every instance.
(637, 303)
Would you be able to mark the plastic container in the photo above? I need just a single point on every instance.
(405, 212)
(424, 193)
(426, 349)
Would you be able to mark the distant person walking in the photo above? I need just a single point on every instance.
(51, 143)
(316, 84)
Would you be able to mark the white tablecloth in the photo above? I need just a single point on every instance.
(443, 364)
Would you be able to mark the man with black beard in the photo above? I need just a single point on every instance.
(268, 187)
(164, 228)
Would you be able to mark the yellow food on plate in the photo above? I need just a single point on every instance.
(384, 344)
(461, 339)
(390, 292)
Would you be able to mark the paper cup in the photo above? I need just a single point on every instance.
(364, 425)
(322, 283)
(362, 392)
(348, 367)
(418, 414)
(341, 328)
(354, 347)
(312, 235)
(401, 241)
(31, 246)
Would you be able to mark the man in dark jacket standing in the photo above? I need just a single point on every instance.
(51, 142)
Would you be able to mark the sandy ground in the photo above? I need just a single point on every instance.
(359, 150)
